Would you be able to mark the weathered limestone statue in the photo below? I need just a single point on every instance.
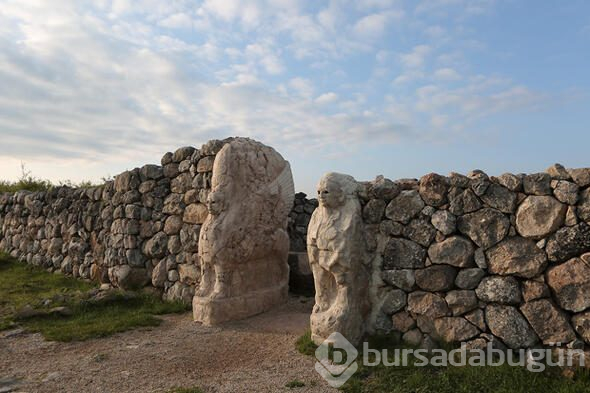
(243, 244)
(338, 258)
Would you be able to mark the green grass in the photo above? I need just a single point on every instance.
(304, 344)
(295, 384)
(185, 390)
(413, 379)
(21, 285)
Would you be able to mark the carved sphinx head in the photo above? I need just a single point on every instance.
(334, 188)
(215, 202)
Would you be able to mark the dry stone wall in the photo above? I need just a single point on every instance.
(140, 229)
(482, 259)
(458, 258)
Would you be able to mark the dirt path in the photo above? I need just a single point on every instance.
(254, 355)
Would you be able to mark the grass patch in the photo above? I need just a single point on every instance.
(104, 318)
(295, 384)
(22, 284)
(305, 345)
(451, 379)
(503, 379)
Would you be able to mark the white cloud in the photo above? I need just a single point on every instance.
(86, 82)
(227, 10)
(264, 55)
(374, 25)
(367, 4)
(326, 98)
(303, 87)
(457, 8)
(177, 21)
(408, 76)
(417, 57)
(447, 74)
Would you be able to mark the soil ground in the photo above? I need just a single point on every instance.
(253, 355)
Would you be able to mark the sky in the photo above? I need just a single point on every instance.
(398, 88)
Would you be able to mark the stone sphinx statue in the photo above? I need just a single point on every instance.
(339, 261)
(243, 243)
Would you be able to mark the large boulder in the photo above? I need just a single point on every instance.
(516, 256)
(433, 189)
(382, 188)
(568, 242)
(403, 322)
(510, 181)
(497, 289)
(427, 304)
(549, 322)
(570, 283)
(195, 213)
(469, 278)
(128, 180)
(403, 254)
(581, 323)
(436, 278)
(558, 172)
(455, 251)
(454, 329)
(539, 216)
(157, 246)
(510, 326)
(463, 202)
(395, 301)
(182, 153)
(405, 206)
(401, 278)
(160, 274)
(584, 205)
(172, 225)
(537, 184)
(421, 231)
(444, 221)
(566, 192)
(486, 227)
(373, 211)
(461, 302)
(581, 176)
(127, 277)
(500, 198)
(533, 290)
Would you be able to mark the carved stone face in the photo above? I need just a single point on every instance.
(215, 202)
(330, 194)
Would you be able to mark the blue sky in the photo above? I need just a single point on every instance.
(367, 87)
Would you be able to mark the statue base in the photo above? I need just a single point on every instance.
(210, 311)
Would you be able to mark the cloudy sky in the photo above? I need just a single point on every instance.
(366, 87)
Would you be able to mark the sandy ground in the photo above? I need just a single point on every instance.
(253, 355)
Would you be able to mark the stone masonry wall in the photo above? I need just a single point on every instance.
(482, 259)
(140, 229)
(457, 258)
